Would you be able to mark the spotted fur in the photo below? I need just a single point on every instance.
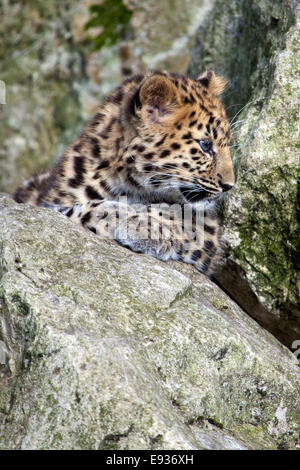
(158, 138)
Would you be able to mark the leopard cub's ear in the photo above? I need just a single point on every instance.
(213, 83)
(159, 98)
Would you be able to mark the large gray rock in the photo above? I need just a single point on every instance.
(256, 45)
(107, 349)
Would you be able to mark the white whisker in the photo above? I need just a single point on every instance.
(247, 104)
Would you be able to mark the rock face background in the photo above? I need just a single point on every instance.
(54, 79)
(101, 348)
(42, 70)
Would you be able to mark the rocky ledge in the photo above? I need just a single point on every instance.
(102, 348)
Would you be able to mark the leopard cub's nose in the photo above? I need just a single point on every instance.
(226, 187)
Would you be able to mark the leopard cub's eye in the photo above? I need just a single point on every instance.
(205, 145)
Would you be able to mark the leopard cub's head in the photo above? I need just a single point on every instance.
(181, 142)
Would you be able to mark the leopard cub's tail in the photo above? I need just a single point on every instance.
(32, 190)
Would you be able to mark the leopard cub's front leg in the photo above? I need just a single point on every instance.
(134, 226)
(163, 231)
(99, 216)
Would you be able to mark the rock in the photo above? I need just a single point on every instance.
(108, 349)
(261, 214)
(164, 31)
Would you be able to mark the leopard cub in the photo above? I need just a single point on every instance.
(147, 168)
